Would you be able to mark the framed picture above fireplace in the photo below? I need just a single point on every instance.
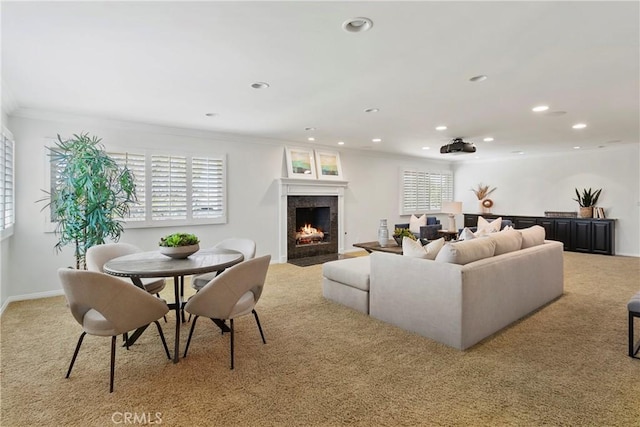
(328, 164)
(300, 163)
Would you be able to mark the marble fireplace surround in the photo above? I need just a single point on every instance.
(308, 187)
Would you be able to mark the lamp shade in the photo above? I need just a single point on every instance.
(452, 207)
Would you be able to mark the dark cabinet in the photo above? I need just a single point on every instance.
(587, 235)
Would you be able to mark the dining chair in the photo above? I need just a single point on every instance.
(245, 246)
(98, 255)
(232, 294)
(107, 306)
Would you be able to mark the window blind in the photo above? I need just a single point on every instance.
(7, 185)
(136, 163)
(168, 187)
(207, 187)
(424, 191)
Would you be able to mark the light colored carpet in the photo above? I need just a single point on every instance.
(326, 365)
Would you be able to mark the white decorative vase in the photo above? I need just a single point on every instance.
(383, 233)
(179, 252)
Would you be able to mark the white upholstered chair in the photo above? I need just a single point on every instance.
(98, 255)
(107, 306)
(246, 246)
(232, 294)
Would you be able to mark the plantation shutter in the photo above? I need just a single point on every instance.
(424, 191)
(136, 164)
(168, 187)
(7, 185)
(208, 190)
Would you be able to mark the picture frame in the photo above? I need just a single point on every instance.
(328, 165)
(300, 163)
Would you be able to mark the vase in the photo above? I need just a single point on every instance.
(586, 212)
(383, 233)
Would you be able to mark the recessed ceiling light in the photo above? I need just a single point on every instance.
(540, 108)
(577, 147)
(441, 128)
(488, 139)
(210, 114)
(376, 140)
(579, 126)
(260, 85)
(310, 128)
(426, 148)
(479, 78)
(357, 25)
(518, 152)
(311, 138)
(371, 110)
(340, 142)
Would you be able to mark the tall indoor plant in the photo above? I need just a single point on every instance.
(91, 194)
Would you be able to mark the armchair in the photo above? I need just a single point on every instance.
(427, 232)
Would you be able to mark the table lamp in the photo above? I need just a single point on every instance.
(452, 208)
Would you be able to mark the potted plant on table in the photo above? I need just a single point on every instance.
(399, 233)
(587, 201)
(91, 195)
(179, 245)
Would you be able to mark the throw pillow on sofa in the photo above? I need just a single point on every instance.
(466, 234)
(532, 236)
(415, 223)
(466, 251)
(414, 248)
(486, 227)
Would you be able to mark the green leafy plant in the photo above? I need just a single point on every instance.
(402, 232)
(588, 197)
(91, 196)
(179, 239)
(482, 191)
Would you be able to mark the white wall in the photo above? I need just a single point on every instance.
(531, 186)
(253, 170)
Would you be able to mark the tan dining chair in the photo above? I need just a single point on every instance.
(107, 306)
(98, 255)
(232, 294)
(245, 246)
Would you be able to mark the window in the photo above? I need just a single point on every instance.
(7, 194)
(176, 189)
(424, 191)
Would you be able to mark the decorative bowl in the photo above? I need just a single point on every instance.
(179, 252)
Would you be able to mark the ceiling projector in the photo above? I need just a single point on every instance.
(458, 146)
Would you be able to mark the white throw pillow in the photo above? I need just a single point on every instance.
(506, 241)
(414, 248)
(532, 236)
(466, 234)
(415, 223)
(485, 227)
(466, 251)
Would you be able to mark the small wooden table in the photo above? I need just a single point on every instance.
(391, 247)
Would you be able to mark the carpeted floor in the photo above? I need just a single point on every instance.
(326, 365)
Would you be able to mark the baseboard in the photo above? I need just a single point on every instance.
(25, 297)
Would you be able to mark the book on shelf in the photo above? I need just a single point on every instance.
(598, 213)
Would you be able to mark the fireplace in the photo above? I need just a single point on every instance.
(312, 199)
(312, 224)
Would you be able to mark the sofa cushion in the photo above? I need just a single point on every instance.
(506, 241)
(415, 223)
(466, 251)
(353, 272)
(532, 236)
(415, 249)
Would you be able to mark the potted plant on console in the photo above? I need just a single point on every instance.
(587, 201)
(179, 245)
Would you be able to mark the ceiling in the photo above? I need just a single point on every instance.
(171, 63)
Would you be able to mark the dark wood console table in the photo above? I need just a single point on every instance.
(588, 235)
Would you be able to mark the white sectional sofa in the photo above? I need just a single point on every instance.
(465, 294)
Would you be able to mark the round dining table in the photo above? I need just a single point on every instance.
(154, 264)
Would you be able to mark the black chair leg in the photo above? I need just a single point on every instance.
(633, 349)
(193, 325)
(113, 362)
(231, 324)
(259, 327)
(125, 336)
(164, 342)
(75, 353)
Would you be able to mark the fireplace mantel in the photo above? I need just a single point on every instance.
(308, 187)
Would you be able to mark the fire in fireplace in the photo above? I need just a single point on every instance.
(312, 225)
